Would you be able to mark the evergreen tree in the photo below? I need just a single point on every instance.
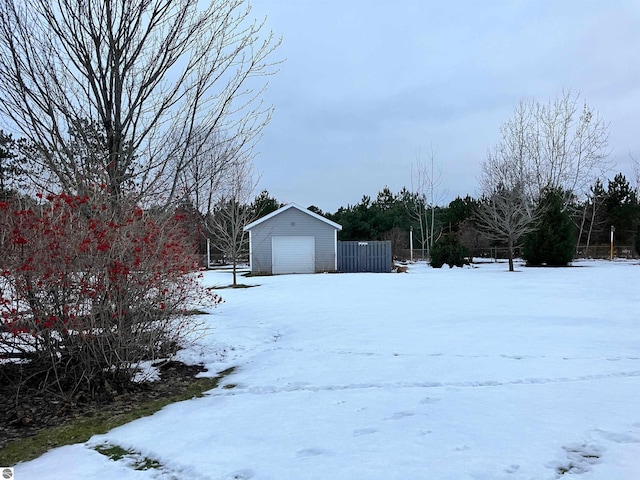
(552, 241)
(622, 208)
(317, 210)
(264, 204)
(449, 250)
(10, 168)
(459, 210)
(380, 219)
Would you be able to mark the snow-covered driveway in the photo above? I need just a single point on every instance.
(457, 374)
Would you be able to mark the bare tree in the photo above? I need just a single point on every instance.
(156, 78)
(566, 144)
(203, 181)
(506, 212)
(220, 186)
(554, 146)
(232, 212)
(425, 183)
(504, 217)
(117, 99)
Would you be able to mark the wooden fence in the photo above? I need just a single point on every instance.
(365, 257)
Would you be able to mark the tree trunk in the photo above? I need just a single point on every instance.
(510, 253)
(582, 222)
(433, 221)
(235, 265)
(593, 219)
(427, 234)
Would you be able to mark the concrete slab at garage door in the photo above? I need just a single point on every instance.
(293, 254)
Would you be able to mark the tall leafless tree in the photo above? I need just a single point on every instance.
(543, 146)
(204, 180)
(505, 217)
(425, 184)
(155, 78)
(506, 212)
(117, 99)
(232, 212)
(567, 145)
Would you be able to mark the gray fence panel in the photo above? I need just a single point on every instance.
(365, 257)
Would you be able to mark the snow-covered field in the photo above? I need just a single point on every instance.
(458, 374)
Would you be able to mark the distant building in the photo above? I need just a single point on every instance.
(293, 240)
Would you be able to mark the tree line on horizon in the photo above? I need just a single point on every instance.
(391, 216)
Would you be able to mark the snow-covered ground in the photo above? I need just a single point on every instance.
(458, 374)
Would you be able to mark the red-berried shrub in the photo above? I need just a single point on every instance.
(87, 293)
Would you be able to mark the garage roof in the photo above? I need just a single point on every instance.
(297, 207)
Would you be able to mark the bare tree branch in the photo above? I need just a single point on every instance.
(157, 78)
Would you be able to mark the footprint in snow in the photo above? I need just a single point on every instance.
(399, 415)
(363, 431)
(580, 458)
(244, 474)
(617, 437)
(311, 452)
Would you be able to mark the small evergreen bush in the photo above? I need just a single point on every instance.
(448, 250)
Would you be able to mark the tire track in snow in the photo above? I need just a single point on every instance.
(301, 387)
(459, 355)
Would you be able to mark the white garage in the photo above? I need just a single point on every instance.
(293, 240)
(293, 254)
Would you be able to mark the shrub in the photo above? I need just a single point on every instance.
(87, 293)
(448, 250)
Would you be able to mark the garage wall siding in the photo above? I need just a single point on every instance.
(292, 222)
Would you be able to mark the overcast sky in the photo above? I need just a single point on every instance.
(369, 86)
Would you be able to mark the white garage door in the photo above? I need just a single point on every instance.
(293, 254)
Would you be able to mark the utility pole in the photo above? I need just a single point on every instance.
(411, 242)
(613, 229)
